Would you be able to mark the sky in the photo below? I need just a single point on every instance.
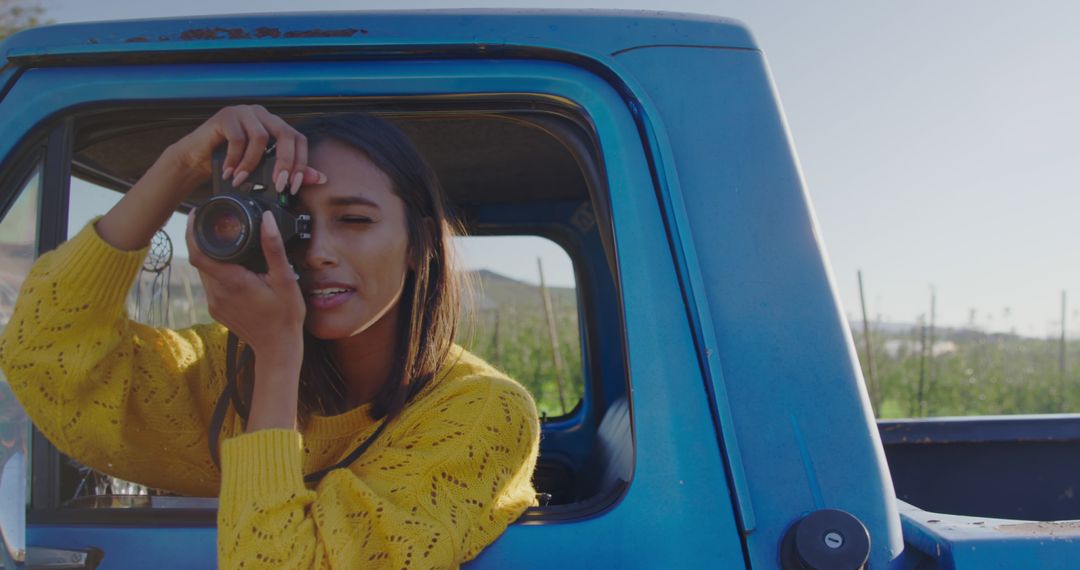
(937, 140)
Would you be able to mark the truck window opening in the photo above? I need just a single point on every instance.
(511, 175)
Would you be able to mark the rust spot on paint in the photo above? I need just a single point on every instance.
(221, 33)
(318, 33)
(214, 34)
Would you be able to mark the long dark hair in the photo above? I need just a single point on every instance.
(430, 301)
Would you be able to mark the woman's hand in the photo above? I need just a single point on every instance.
(267, 312)
(246, 129)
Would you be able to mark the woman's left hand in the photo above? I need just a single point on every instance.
(265, 310)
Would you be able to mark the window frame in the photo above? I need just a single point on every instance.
(48, 463)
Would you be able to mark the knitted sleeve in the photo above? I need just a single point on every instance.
(124, 398)
(444, 486)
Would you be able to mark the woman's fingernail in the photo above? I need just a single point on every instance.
(227, 173)
(320, 178)
(240, 178)
(282, 180)
(297, 180)
(270, 223)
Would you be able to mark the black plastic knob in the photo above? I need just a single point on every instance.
(829, 539)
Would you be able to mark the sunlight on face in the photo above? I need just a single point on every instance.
(353, 268)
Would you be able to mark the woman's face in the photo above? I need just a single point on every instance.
(353, 268)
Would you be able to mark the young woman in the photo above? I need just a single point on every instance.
(349, 351)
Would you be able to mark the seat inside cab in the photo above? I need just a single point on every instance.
(510, 168)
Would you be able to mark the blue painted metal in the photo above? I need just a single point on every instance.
(981, 429)
(764, 299)
(683, 251)
(595, 34)
(962, 543)
(679, 482)
(168, 548)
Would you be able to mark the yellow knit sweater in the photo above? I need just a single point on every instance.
(443, 480)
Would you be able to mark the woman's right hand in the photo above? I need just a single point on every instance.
(246, 130)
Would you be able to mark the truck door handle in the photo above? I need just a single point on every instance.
(58, 559)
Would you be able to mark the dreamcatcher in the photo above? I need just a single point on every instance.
(158, 266)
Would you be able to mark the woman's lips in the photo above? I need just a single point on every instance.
(323, 301)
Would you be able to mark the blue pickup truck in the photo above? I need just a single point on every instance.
(723, 421)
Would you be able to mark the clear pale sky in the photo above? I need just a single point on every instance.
(938, 139)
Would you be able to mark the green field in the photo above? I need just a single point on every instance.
(971, 373)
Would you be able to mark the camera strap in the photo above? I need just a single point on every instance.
(231, 394)
(360, 449)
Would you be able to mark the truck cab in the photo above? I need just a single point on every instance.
(714, 413)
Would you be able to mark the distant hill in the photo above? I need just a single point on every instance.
(492, 290)
(489, 291)
(941, 332)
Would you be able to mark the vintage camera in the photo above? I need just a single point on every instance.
(227, 225)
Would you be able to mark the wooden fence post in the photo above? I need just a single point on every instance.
(553, 335)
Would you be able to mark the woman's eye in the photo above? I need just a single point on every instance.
(356, 220)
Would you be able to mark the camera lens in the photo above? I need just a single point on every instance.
(227, 229)
(223, 227)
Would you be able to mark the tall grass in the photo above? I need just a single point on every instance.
(972, 373)
(515, 339)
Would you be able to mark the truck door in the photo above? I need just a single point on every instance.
(639, 456)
